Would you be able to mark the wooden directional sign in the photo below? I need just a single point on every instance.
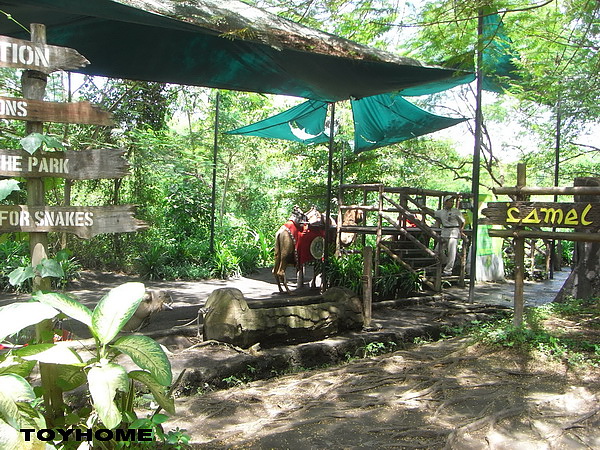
(84, 221)
(39, 111)
(82, 165)
(538, 214)
(20, 54)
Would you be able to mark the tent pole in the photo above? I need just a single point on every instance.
(214, 175)
(553, 255)
(476, 157)
(329, 187)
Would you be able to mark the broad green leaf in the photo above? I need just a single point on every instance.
(15, 317)
(158, 391)
(52, 142)
(104, 382)
(16, 388)
(115, 309)
(20, 274)
(50, 268)
(69, 377)
(66, 305)
(52, 354)
(8, 186)
(13, 439)
(148, 355)
(32, 142)
(12, 364)
(10, 437)
(8, 409)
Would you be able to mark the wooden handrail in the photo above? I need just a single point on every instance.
(407, 215)
(407, 266)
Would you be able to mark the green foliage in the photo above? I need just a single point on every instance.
(7, 187)
(35, 141)
(110, 384)
(371, 349)
(394, 281)
(14, 254)
(345, 271)
(533, 335)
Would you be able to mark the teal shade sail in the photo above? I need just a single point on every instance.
(224, 44)
(303, 123)
(437, 86)
(498, 55)
(387, 119)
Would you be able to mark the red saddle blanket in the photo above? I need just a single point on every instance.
(303, 236)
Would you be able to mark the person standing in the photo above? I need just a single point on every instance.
(452, 223)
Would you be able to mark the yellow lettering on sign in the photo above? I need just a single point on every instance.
(553, 215)
(509, 215)
(571, 217)
(584, 214)
(532, 217)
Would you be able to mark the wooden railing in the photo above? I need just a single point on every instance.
(401, 214)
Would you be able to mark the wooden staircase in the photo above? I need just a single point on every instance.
(402, 232)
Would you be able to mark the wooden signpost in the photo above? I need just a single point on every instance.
(583, 216)
(533, 214)
(39, 59)
(83, 221)
(38, 111)
(35, 217)
(20, 54)
(74, 165)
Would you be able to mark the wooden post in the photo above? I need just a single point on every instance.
(367, 285)
(379, 232)
(34, 87)
(519, 256)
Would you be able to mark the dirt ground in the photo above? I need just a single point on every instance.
(447, 394)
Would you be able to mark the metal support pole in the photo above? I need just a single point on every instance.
(214, 174)
(329, 187)
(476, 157)
(553, 256)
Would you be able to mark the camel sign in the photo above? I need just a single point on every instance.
(540, 214)
(84, 221)
(20, 54)
(74, 165)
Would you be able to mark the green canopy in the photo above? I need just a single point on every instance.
(498, 55)
(215, 43)
(303, 123)
(387, 119)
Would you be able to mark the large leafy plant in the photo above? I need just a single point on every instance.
(110, 384)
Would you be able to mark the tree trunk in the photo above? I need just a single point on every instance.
(584, 281)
